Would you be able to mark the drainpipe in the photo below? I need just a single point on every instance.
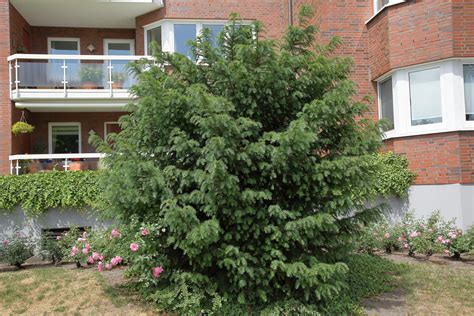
(290, 12)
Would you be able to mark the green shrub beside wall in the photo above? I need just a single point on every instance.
(37, 192)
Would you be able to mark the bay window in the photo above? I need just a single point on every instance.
(468, 71)
(425, 97)
(386, 102)
(380, 4)
(183, 33)
(174, 35)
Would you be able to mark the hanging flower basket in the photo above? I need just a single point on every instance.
(22, 128)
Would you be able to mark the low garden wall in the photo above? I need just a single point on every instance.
(54, 218)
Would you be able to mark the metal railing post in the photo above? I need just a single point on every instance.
(110, 67)
(64, 67)
(11, 166)
(10, 78)
(16, 78)
(66, 165)
(17, 167)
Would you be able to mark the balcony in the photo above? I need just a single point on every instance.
(23, 164)
(40, 80)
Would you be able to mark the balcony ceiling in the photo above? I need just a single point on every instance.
(84, 13)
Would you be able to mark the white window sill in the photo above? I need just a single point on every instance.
(392, 3)
(393, 134)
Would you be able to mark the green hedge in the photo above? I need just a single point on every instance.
(37, 192)
(394, 177)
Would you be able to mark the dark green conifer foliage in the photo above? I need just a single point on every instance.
(255, 158)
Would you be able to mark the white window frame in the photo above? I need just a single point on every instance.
(50, 134)
(453, 105)
(463, 96)
(379, 99)
(108, 41)
(105, 127)
(167, 30)
(390, 3)
(65, 39)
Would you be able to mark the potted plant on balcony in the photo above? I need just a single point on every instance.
(91, 76)
(118, 79)
(22, 126)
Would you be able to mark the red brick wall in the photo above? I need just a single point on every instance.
(438, 158)
(420, 31)
(20, 35)
(5, 104)
(273, 13)
(89, 122)
(87, 36)
(463, 27)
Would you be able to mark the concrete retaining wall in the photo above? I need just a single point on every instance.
(54, 218)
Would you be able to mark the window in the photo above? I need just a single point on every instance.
(380, 4)
(215, 29)
(120, 47)
(153, 35)
(386, 102)
(469, 91)
(111, 127)
(63, 46)
(182, 34)
(64, 138)
(425, 97)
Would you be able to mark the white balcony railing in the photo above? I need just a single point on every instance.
(43, 76)
(21, 164)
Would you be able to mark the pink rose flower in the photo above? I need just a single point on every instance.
(90, 260)
(133, 247)
(100, 267)
(387, 235)
(95, 256)
(440, 238)
(406, 246)
(144, 231)
(88, 247)
(5, 243)
(80, 239)
(101, 257)
(446, 251)
(108, 266)
(399, 238)
(85, 251)
(58, 237)
(156, 271)
(116, 260)
(115, 233)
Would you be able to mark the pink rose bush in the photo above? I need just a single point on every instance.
(417, 236)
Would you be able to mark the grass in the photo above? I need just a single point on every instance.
(434, 288)
(61, 291)
(439, 289)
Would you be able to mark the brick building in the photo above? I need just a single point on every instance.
(63, 72)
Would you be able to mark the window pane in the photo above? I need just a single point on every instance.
(215, 31)
(64, 48)
(65, 139)
(469, 91)
(182, 34)
(425, 97)
(119, 49)
(381, 4)
(386, 100)
(153, 35)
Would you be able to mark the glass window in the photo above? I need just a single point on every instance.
(153, 35)
(119, 49)
(215, 31)
(381, 3)
(182, 34)
(65, 138)
(386, 102)
(469, 91)
(425, 97)
(64, 47)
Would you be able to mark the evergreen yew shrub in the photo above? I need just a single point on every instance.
(255, 159)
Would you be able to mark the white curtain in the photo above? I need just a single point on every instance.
(425, 97)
